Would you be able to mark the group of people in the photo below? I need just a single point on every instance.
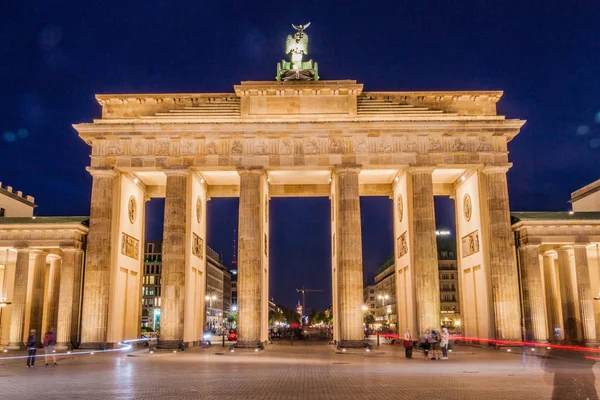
(48, 343)
(430, 340)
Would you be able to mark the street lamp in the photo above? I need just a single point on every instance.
(234, 308)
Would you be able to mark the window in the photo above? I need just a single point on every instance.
(2, 212)
(372, 298)
(150, 247)
(372, 291)
(151, 281)
(372, 305)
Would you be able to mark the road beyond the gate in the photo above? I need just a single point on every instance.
(306, 370)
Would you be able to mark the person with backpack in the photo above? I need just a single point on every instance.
(434, 345)
(49, 343)
(424, 342)
(31, 348)
(408, 345)
(444, 343)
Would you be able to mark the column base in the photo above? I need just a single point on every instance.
(170, 345)
(15, 346)
(352, 344)
(63, 346)
(590, 343)
(251, 344)
(96, 346)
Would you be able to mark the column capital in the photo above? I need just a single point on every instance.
(421, 169)
(564, 248)
(251, 170)
(176, 171)
(347, 168)
(581, 244)
(54, 257)
(488, 169)
(35, 253)
(98, 172)
(550, 254)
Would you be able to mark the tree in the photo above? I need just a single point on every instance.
(276, 316)
(232, 317)
(369, 319)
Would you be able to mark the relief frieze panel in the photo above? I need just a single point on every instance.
(286, 146)
(311, 146)
(187, 147)
(470, 244)
(360, 144)
(130, 246)
(237, 147)
(198, 246)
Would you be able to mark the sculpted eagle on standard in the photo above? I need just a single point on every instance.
(296, 46)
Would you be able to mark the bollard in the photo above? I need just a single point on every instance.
(377, 339)
(223, 345)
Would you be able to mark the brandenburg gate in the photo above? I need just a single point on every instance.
(298, 136)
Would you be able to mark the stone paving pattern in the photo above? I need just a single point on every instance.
(300, 372)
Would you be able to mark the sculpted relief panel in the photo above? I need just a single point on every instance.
(407, 147)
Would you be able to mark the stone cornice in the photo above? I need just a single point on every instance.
(97, 172)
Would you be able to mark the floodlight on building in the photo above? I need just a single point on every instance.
(135, 180)
(202, 181)
(207, 298)
(234, 308)
(396, 179)
(571, 212)
(462, 178)
(364, 308)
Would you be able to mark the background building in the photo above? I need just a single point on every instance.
(380, 297)
(151, 285)
(218, 290)
(448, 269)
(218, 287)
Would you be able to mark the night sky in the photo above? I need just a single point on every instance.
(55, 55)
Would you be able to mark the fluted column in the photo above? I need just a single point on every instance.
(37, 293)
(52, 293)
(503, 270)
(173, 267)
(94, 318)
(584, 294)
(77, 297)
(553, 307)
(425, 262)
(350, 268)
(249, 258)
(533, 293)
(17, 319)
(65, 299)
(567, 296)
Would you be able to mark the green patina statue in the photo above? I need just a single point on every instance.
(297, 70)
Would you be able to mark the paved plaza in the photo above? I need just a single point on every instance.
(303, 371)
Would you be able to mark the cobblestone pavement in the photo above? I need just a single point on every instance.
(300, 372)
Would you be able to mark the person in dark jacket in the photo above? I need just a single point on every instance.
(49, 343)
(31, 349)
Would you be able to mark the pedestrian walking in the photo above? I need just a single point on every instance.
(408, 345)
(434, 345)
(424, 341)
(444, 343)
(49, 343)
(31, 348)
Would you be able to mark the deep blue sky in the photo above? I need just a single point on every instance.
(55, 55)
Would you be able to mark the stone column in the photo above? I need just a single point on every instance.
(249, 259)
(94, 319)
(553, 307)
(584, 293)
(349, 252)
(567, 295)
(17, 319)
(425, 262)
(51, 317)
(65, 300)
(77, 297)
(173, 267)
(37, 294)
(503, 269)
(533, 294)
